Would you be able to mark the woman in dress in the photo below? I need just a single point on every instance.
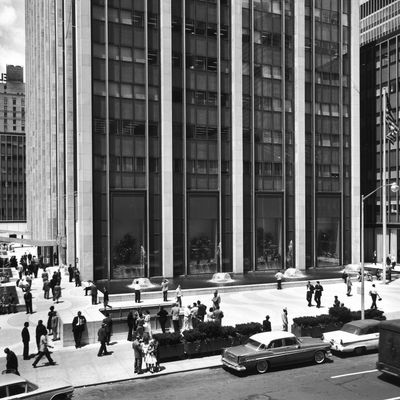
(147, 324)
(150, 357)
(50, 316)
(145, 348)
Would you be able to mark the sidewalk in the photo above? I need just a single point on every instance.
(82, 367)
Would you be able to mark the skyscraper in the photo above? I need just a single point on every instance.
(192, 137)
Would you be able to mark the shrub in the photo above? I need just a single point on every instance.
(210, 329)
(248, 329)
(228, 331)
(169, 338)
(369, 314)
(342, 314)
(193, 335)
(305, 321)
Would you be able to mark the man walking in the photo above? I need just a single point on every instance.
(106, 298)
(284, 320)
(175, 310)
(11, 361)
(102, 338)
(309, 293)
(108, 322)
(28, 301)
(40, 331)
(78, 326)
(43, 351)
(164, 288)
(137, 349)
(318, 294)
(26, 337)
(374, 295)
(279, 277)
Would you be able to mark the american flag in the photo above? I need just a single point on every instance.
(392, 128)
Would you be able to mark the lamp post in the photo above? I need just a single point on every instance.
(394, 187)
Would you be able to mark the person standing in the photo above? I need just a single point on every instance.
(162, 318)
(309, 293)
(78, 327)
(130, 320)
(102, 338)
(26, 337)
(374, 295)
(40, 331)
(108, 322)
(136, 288)
(216, 300)
(106, 298)
(279, 277)
(284, 316)
(164, 289)
(349, 284)
(50, 316)
(77, 276)
(93, 291)
(43, 351)
(178, 292)
(11, 361)
(266, 324)
(70, 272)
(57, 292)
(175, 311)
(187, 318)
(318, 294)
(137, 349)
(336, 302)
(54, 326)
(46, 289)
(217, 316)
(374, 257)
(28, 301)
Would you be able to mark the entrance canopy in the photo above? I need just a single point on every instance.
(29, 242)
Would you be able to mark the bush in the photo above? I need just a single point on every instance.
(228, 331)
(248, 329)
(165, 339)
(342, 314)
(210, 329)
(193, 335)
(369, 314)
(305, 321)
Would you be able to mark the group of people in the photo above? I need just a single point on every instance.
(146, 353)
(315, 290)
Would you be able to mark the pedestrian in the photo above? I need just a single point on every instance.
(46, 289)
(344, 276)
(26, 337)
(108, 322)
(309, 293)
(49, 317)
(11, 362)
(374, 257)
(284, 316)
(78, 327)
(216, 300)
(187, 318)
(102, 338)
(175, 312)
(29, 281)
(389, 274)
(93, 291)
(279, 277)
(266, 324)
(106, 298)
(137, 349)
(318, 294)
(28, 301)
(201, 311)
(130, 320)
(164, 289)
(57, 292)
(156, 345)
(151, 359)
(136, 288)
(54, 326)
(77, 276)
(162, 318)
(194, 311)
(140, 323)
(374, 295)
(43, 351)
(178, 292)
(40, 331)
(336, 302)
(70, 272)
(349, 284)
(45, 276)
(217, 316)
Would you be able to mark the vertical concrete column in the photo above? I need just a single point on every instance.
(355, 132)
(237, 139)
(299, 136)
(84, 139)
(166, 139)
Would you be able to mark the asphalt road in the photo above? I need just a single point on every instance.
(347, 378)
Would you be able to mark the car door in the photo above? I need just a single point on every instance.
(276, 347)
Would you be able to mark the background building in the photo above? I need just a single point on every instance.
(189, 137)
(12, 151)
(379, 70)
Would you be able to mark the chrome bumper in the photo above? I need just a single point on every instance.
(232, 365)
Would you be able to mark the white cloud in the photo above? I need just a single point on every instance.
(12, 33)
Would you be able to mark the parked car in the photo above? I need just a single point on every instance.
(355, 337)
(15, 387)
(267, 349)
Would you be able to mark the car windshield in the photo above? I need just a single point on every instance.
(349, 328)
(253, 343)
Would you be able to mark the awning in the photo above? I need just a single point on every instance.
(30, 242)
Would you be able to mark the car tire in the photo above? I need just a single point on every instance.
(359, 351)
(262, 367)
(319, 357)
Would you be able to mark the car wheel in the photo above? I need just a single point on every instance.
(262, 367)
(319, 357)
(359, 351)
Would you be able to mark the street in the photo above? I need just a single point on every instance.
(347, 378)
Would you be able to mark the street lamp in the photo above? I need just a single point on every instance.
(394, 187)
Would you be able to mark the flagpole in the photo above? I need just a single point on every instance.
(383, 197)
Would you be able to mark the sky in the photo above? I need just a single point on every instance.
(12, 33)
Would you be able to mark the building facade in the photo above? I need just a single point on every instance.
(379, 71)
(192, 137)
(12, 149)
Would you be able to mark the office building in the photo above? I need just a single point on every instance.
(191, 137)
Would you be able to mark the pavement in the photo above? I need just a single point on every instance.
(82, 367)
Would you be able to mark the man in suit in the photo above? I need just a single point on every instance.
(108, 325)
(137, 349)
(78, 326)
(267, 324)
(40, 331)
(11, 361)
(318, 294)
(26, 337)
(28, 301)
(94, 293)
(102, 337)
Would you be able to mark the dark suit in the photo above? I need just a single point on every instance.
(102, 336)
(12, 362)
(26, 337)
(78, 326)
(109, 324)
(28, 302)
(40, 330)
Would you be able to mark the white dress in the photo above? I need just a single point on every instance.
(147, 324)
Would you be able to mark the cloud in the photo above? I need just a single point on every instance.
(12, 33)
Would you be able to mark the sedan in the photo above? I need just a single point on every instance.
(355, 337)
(15, 387)
(267, 349)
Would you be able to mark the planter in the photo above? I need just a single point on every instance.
(208, 346)
(300, 330)
(315, 331)
(171, 351)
